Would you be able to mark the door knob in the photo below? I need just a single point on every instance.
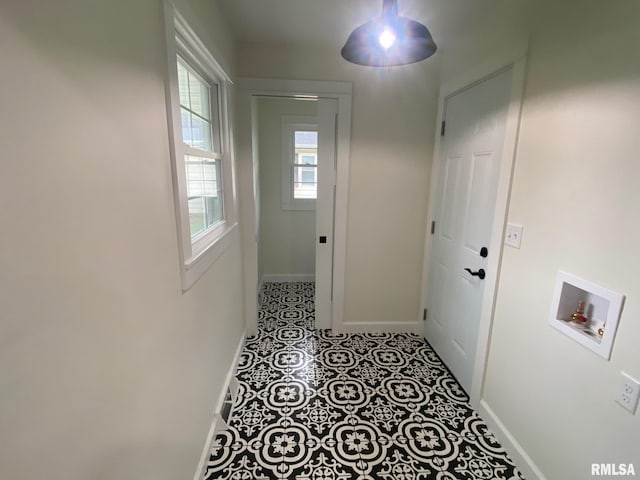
(480, 273)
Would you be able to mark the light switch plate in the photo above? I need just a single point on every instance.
(513, 235)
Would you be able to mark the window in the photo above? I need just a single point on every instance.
(305, 164)
(299, 163)
(202, 159)
(200, 137)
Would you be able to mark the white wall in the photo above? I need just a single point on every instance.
(106, 369)
(392, 135)
(508, 28)
(576, 193)
(287, 237)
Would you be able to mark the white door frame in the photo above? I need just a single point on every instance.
(246, 90)
(516, 58)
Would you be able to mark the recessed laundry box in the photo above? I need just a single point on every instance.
(586, 312)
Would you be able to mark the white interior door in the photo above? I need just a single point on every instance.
(327, 123)
(475, 122)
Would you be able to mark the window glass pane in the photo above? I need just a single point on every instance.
(307, 159)
(183, 85)
(305, 190)
(305, 182)
(214, 210)
(197, 215)
(185, 119)
(305, 175)
(308, 175)
(305, 139)
(195, 108)
(199, 96)
(204, 190)
(200, 134)
(202, 176)
(195, 181)
(209, 178)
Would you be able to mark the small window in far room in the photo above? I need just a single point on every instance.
(299, 163)
(305, 166)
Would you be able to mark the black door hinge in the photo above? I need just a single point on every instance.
(433, 227)
(424, 314)
(442, 128)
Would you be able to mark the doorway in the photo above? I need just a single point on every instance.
(287, 133)
(296, 180)
(471, 178)
(475, 124)
(333, 117)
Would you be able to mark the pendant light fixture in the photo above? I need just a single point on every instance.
(389, 40)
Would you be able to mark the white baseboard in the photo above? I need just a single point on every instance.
(217, 421)
(379, 327)
(289, 277)
(517, 453)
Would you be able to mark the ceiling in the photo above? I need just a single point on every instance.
(327, 23)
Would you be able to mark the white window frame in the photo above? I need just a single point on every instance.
(289, 125)
(199, 253)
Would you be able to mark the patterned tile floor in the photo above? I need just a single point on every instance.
(314, 405)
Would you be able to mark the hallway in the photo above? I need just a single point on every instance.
(317, 405)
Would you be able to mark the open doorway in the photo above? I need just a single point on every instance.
(296, 178)
(287, 141)
(333, 116)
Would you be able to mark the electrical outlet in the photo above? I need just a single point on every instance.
(628, 393)
(513, 235)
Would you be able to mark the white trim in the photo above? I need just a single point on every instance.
(288, 277)
(230, 374)
(325, 211)
(246, 120)
(195, 268)
(192, 42)
(514, 58)
(508, 56)
(340, 209)
(341, 91)
(517, 453)
(217, 419)
(303, 88)
(380, 327)
(260, 287)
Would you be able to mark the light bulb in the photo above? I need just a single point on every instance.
(387, 38)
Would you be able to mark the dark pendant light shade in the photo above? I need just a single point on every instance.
(389, 40)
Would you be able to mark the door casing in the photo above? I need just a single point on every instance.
(247, 89)
(516, 57)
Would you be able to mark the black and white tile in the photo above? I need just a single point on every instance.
(315, 405)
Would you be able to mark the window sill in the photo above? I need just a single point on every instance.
(302, 205)
(198, 264)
